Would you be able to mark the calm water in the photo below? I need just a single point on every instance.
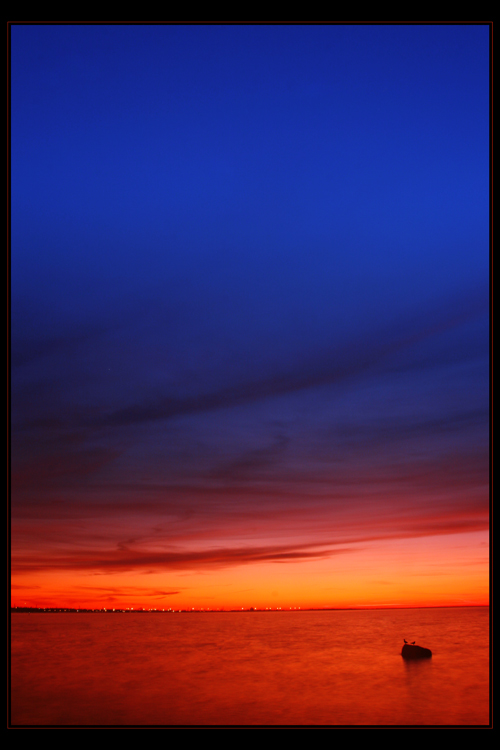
(251, 668)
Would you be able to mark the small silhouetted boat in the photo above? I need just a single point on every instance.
(410, 651)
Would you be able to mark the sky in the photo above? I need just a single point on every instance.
(249, 315)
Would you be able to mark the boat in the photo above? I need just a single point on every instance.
(415, 652)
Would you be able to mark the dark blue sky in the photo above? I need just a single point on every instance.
(246, 254)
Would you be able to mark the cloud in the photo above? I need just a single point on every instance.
(253, 460)
(384, 429)
(56, 468)
(20, 586)
(126, 559)
(365, 353)
(355, 530)
(122, 590)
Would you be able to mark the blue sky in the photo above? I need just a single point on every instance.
(243, 255)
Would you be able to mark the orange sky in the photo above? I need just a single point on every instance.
(440, 570)
(250, 322)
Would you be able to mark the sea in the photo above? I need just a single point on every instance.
(330, 667)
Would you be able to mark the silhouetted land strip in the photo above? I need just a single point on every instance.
(170, 610)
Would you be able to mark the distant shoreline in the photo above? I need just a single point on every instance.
(70, 610)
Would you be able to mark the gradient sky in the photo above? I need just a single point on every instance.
(249, 315)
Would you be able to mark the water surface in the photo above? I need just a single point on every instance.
(329, 667)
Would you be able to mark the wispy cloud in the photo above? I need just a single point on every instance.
(128, 559)
(344, 363)
(125, 556)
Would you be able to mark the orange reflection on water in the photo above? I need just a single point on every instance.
(341, 667)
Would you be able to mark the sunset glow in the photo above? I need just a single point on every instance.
(250, 316)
